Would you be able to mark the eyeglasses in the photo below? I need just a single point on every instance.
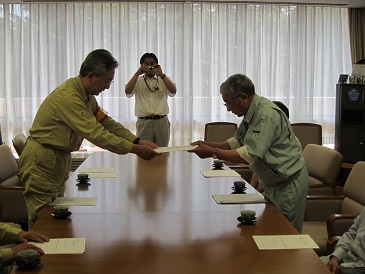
(107, 81)
(226, 104)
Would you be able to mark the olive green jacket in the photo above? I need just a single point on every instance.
(68, 115)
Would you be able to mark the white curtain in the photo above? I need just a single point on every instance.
(294, 54)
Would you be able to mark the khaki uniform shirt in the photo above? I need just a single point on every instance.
(268, 137)
(8, 235)
(69, 114)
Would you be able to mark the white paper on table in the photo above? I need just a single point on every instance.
(239, 198)
(284, 242)
(174, 148)
(97, 170)
(75, 201)
(63, 246)
(102, 175)
(220, 173)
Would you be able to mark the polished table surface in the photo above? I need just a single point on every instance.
(159, 216)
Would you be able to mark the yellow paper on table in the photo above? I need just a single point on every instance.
(75, 201)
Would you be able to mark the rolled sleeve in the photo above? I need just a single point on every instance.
(243, 153)
(233, 143)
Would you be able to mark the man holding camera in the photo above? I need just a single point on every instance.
(152, 88)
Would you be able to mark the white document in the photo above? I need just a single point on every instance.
(75, 201)
(239, 199)
(220, 173)
(96, 170)
(63, 246)
(174, 148)
(103, 175)
(99, 172)
(284, 242)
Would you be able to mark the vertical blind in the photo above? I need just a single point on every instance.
(293, 54)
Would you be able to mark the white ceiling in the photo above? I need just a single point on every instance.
(341, 3)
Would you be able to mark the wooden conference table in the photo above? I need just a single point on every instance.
(159, 216)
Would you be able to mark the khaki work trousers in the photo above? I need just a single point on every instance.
(43, 172)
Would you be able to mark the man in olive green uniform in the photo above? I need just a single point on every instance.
(266, 141)
(67, 116)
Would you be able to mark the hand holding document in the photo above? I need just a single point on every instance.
(175, 148)
(63, 246)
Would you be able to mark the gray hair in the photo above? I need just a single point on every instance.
(98, 62)
(236, 85)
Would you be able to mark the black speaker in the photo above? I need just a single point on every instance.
(350, 122)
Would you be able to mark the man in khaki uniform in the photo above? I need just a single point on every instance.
(67, 116)
(267, 142)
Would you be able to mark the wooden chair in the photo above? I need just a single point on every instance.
(332, 215)
(323, 165)
(308, 133)
(11, 189)
(219, 131)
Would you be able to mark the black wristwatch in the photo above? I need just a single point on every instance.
(215, 153)
(136, 141)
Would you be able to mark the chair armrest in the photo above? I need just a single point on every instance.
(325, 197)
(11, 188)
(14, 207)
(320, 186)
(338, 224)
(331, 244)
(321, 190)
(319, 207)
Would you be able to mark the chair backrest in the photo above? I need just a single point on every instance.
(8, 167)
(308, 133)
(323, 163)
(19, 143)
(219, 131)
(354, 190)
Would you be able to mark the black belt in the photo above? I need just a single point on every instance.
(153, 117)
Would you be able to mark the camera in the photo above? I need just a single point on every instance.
(150, 68)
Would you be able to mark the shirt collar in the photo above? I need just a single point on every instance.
(145, 76)
(252, 108)
(84, 94)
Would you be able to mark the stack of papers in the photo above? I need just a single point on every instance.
(99, 172)
(75, 201)
(239, 199)
(63, 246)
